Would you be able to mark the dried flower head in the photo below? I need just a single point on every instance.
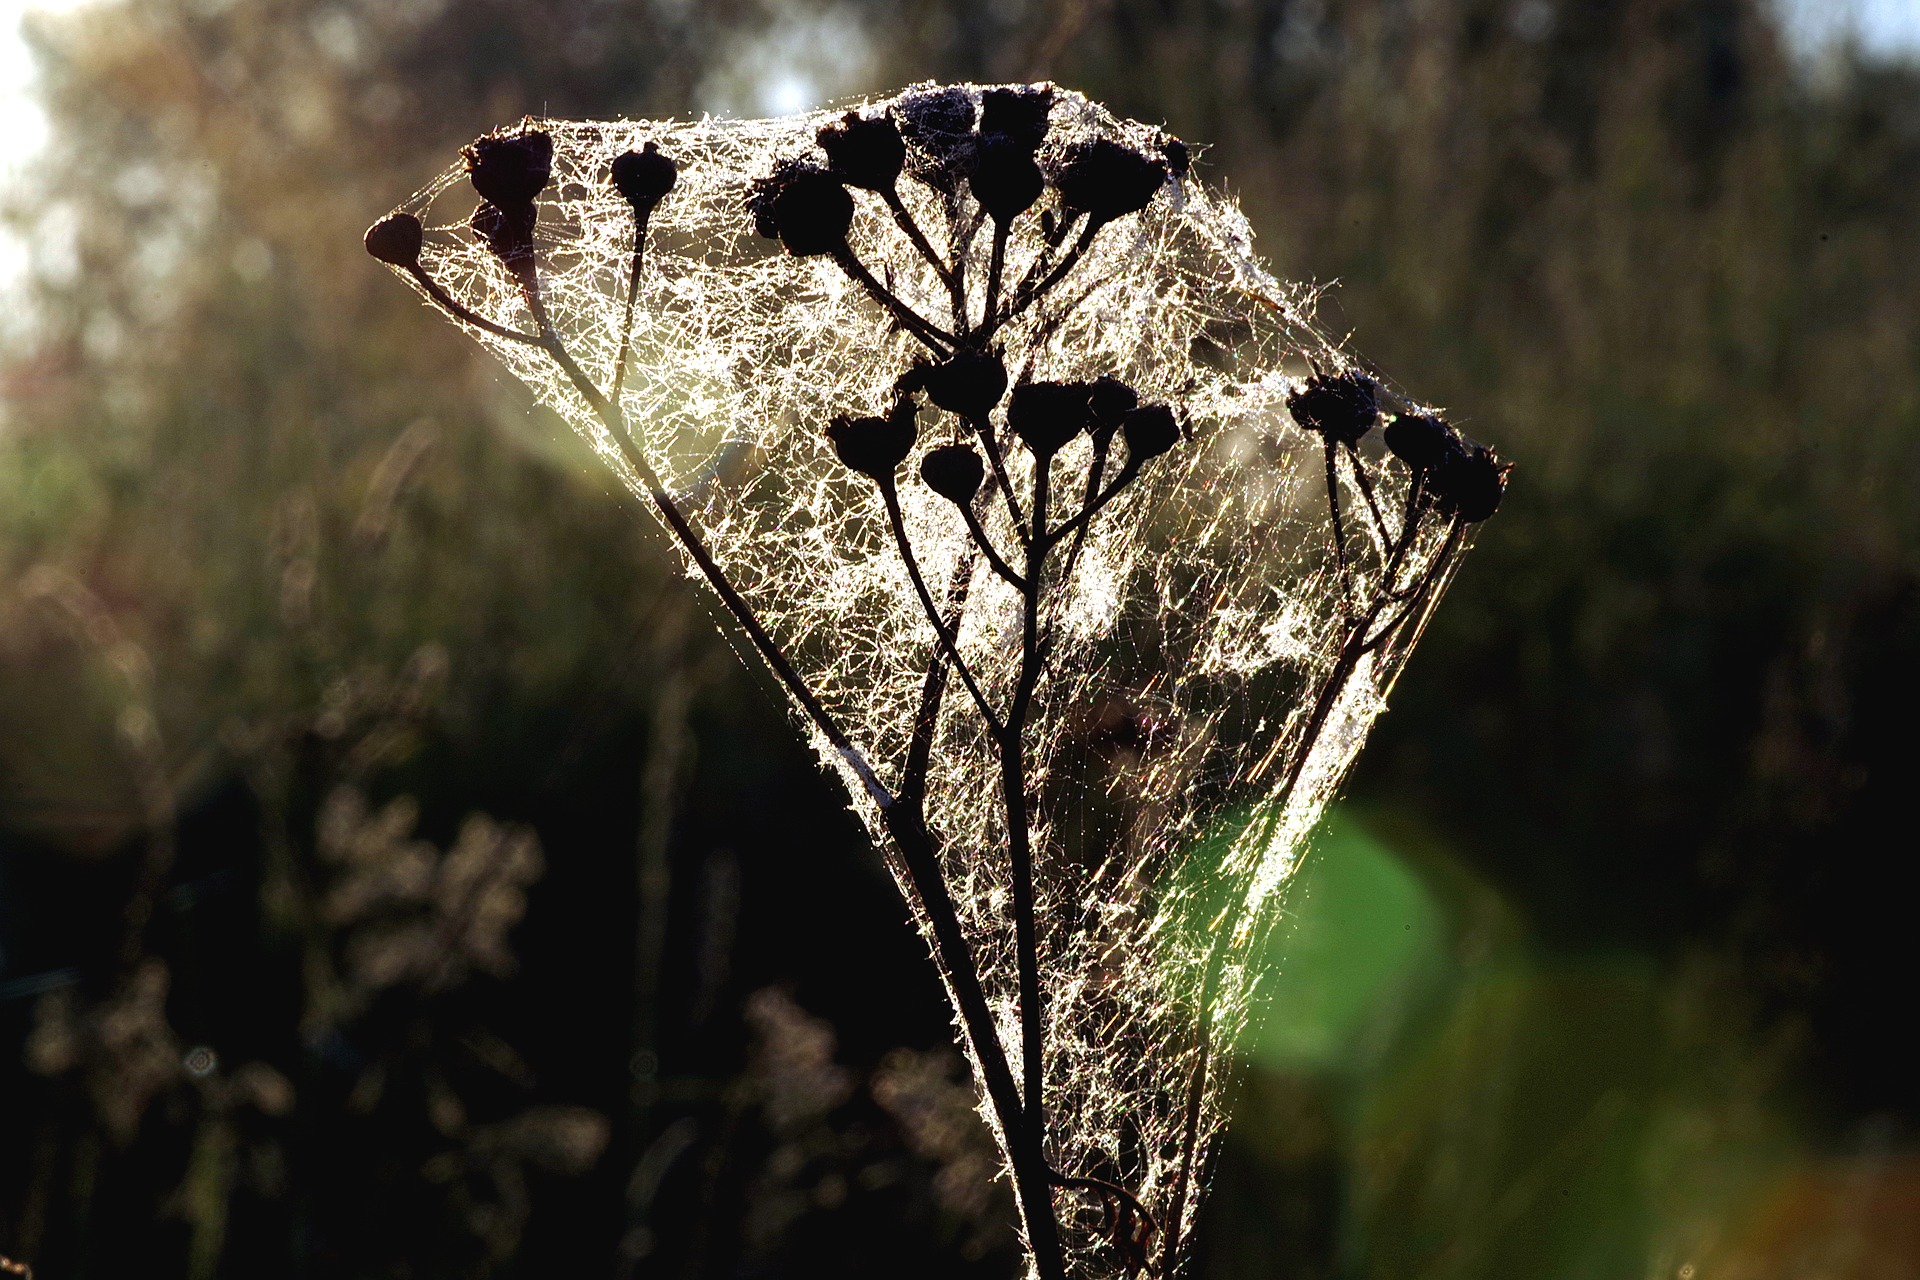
(644, 177)
(873, 445)
(938, 126)
(1017, 114)
(806, 208)
(1421, 440)
(395, 239)
(1149, 432)
(1106, 180)
(1006, 178)
(510, 169)
(1469, 482)
(1108, 400)
(953, 471)
(1342, 407)
(1045, 415)
(865, 151)
(969, 383)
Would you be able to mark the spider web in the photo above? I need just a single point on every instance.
(1170, 749)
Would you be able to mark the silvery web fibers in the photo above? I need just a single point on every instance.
(1201, 621)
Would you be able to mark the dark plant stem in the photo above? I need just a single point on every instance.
(949, 276)
(985, 544)
(626, 323)
(1089, 503)
(996, 264)
(990, 441)
(1038, 269)
(1339, 531)
(1190, 1128)
(736, 605)
(1357, 645)
(906, 823)
(1028, 292)
(890, 495)
(1366, 491)
(926, 720)
(1077, 526)
(464, 314)
(932, 336)
(1014, 790)
(1418, 597)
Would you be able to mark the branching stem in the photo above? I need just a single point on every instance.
(1029, 291)
(466, 315)
(949, 276)
(985, 544)
(890, 495)
(990, 441)
(931, 335)
(1356, 645)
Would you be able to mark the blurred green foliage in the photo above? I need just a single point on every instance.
(1596, 979)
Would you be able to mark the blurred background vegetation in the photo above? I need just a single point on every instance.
(399, 877)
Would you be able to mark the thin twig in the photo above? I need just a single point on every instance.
(1038, 267)
(913, 777)
(1128, 470)
(616, 426)
(1339, 533)
(1366, 491)
(1028, 293)
(1096, 468)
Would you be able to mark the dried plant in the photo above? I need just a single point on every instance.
(1093, 676)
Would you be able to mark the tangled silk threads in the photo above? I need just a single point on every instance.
(1086, 561)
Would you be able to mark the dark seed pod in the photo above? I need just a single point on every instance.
(1149, 432)
(969, 383)
(1017, 114)
(644, 177)
(1006, 179)
(912, 382)
(1469, 482)
(395, 239)
(808, 209)
(508, 232)
(1340, 406)
(954, 472)
(1105, 180)
(1179, 161)
(1109, 400)
(510, 169)
(1421, 440)
(1045, 415)
(865, 152)
(938, 123)
(875, 446)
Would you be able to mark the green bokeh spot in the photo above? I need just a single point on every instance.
(1358, 932)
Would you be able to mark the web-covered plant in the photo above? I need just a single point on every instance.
(1071, 540)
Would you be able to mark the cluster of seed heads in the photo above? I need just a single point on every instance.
(987, 159)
